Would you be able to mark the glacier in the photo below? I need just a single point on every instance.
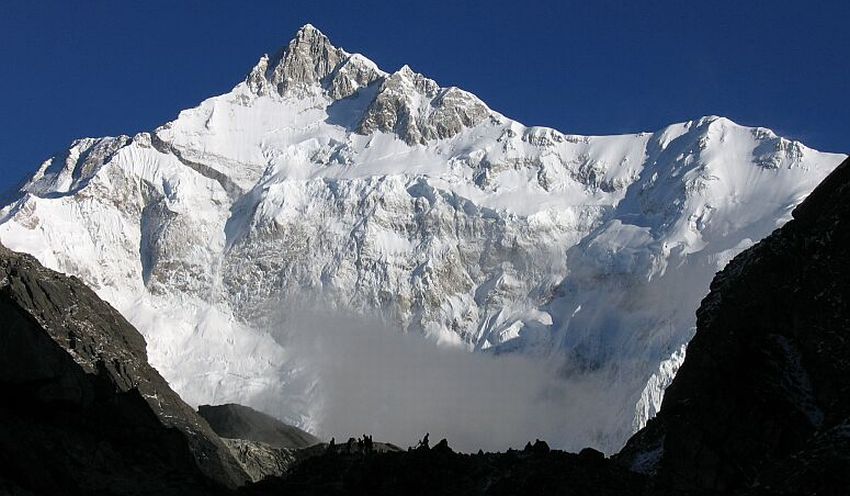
(322, 178)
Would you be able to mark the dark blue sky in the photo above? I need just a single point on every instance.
(93, 68)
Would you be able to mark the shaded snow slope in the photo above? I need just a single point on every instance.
(323, 176)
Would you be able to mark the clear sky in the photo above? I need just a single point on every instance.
(94, 68)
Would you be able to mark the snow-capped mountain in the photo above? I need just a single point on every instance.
(323, 175)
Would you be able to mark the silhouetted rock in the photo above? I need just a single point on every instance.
(442, 447)
(762, 401)
(440, 471)
(591, 455)
(540, 446)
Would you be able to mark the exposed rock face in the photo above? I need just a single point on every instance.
(241, 422)
(260, 460)
(83, 411)
(307, 59)
(405, 103)
(310, 58)
(417, 110)
(762, 401)
(353, 74)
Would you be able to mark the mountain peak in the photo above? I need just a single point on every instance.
(306, 60)
(310, 63)
(309, 35)
(423, 203)
(308, 28)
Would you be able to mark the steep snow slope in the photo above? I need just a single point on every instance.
(323, 176)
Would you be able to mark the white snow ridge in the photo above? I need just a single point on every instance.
(323, 181)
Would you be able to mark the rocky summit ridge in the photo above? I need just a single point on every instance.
(406, 103)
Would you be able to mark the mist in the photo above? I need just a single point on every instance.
(360, 375)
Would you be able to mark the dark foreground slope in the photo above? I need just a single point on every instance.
(83, 412)
(762, 401)
(241, 422)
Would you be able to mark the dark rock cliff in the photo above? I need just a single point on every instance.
(762, 401)
(83, 412)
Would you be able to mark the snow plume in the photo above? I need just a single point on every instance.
(363, 376)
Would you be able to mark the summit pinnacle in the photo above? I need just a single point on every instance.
(309, 59)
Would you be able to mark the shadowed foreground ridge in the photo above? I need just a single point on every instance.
(441, 471)
(83, 411)
(762, 402)
(234, 421)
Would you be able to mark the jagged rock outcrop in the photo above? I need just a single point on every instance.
(83, 411)
(261, 460)
(311, 59)
(417, 110)
(405, 103)
(241, 422)
(761, 403)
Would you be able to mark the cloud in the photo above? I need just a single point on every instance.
(363, 376)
